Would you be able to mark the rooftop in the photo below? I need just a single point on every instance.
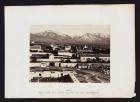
(35, 47)
(95, 55)
(63, 51)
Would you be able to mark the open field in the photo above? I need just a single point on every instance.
(91, 77)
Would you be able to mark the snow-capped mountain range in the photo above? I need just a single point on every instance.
(54, 37)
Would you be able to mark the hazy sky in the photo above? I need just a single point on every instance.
(71, 30)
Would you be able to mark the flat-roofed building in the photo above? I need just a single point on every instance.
(67, 47)
(105, 58)
(35, 48)
(70, 60)
(85, 58)
(83, 65)
(51, 58)
(64, 53)
(69, 65)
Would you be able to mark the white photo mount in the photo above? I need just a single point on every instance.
(18, 20)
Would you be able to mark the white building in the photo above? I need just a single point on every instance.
(50, 59)
(85, 47)
(105, 58)
(36, 48)
(65, 53)
(82, 65)
(50, 64)
(84, 58)
(68, 65)
(68, 47)
(34, 64)
(54, 47)
(38, 53)
(70, 59)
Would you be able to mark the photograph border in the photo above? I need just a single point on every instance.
(53, 2)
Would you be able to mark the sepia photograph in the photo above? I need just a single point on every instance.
(70, 53)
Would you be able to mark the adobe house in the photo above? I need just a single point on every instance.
(69, 65)
(86, 57)
(65, 53)
(67, 47)
(83, 65)
(35, 48)
(50, 61)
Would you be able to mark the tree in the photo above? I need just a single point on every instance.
(73, 49)
(55, 52)
(33, 59)
(74, 56)
(88, 60)
(97, 59)
(67, 61)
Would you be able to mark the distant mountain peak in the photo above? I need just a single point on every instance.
(51, 36)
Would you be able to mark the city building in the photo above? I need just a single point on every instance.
(51, 58)
(69, 65)
(67, 47)
(83, 65)
(65, 53)
(105, 57)
(35, 48)
(86, 57)
(70, 60)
